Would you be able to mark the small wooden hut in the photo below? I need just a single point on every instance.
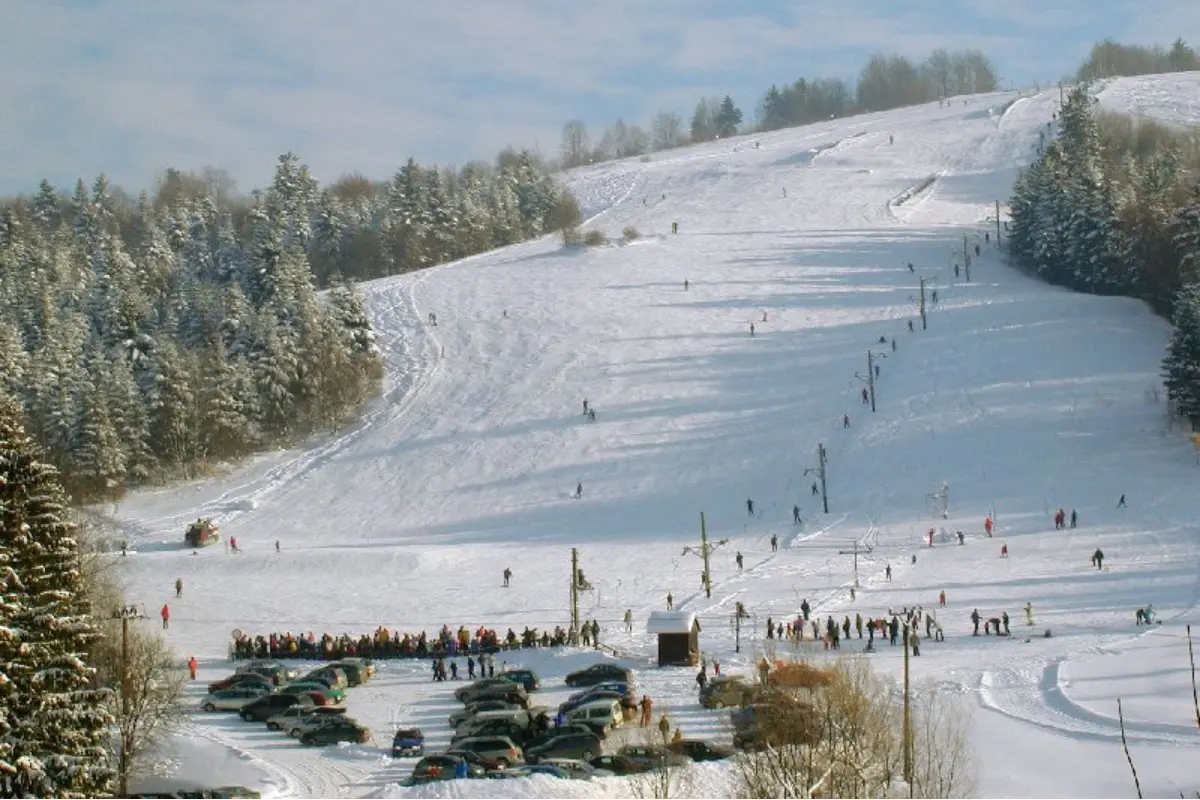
(678, 635)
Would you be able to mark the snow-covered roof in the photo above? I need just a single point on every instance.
(670, 622)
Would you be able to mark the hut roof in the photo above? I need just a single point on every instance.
(670, 622)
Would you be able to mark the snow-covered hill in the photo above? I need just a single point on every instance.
(1019, 398)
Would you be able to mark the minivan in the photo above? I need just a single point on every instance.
(601, 714)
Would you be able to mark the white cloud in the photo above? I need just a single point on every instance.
(129, 87)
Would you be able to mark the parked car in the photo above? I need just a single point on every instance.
(285, 718)
(469, 693)
(653, 755)
(523, 718)
(525, 770)
(232, 699)
(494, 727)
(321, 694)
(579, 770)
(260, 709)
(600, 673)
(565, 730)
(459, 717)
(442, 767)
(619, 687)
(471, 757)
(700, 750)
(730, 691)
(616, 764)
(356, 672)
(526, 677)
(336, 729)
(576, 745)
(271, 670)
(240, 679)
(367, 665)
(297, 726)
(500, 749)
(408, 742)
(593, 697)
(603, 714)
(336, 674)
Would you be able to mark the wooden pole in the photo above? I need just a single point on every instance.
(997, 223)
(907, 732)
(123, 759)
(824, 494)
(704, 556)
(871, 377)
(924, 325)
(574, 596)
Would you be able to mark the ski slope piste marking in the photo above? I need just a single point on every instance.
(1043, 703)
(414, 373)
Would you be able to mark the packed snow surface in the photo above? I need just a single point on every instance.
(1019, 399)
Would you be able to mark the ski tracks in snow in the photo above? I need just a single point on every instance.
(1035, 695)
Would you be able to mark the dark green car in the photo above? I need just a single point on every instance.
(336, 730)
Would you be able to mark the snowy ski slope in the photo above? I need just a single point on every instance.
(1021, 398)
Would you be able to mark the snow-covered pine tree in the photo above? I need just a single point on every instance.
(507, 227)
(1185, 227)
(1181, 366)
(54, 724)
(408, 220)
(225, 428)
(46, 209)
(173, 407)
(130, 418)
(96, 463)
(275, 369)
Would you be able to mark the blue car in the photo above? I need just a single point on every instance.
(408, 742)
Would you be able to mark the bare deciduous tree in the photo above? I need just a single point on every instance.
(853, 744)
(576, 146)
(149, 707)
(666, 131)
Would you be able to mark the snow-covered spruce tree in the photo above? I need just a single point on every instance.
(96, 460)
(54, 726)
(1181, 366)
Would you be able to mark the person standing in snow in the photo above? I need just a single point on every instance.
(910, 327)
(670, 602)
(865, 397)
(470, 668)
(1121, 502)
(629, 620)
(889, 572)
(751, 328)
(942, 598)
(1074, 517)
(975, 621)
(165, 613)
(179, 587)
(1098, 558)
(845, 420)
(685, 284)
(578, 491)
(739, 561)
(585, 406)
(815, 490)
(507, 575)
(749, 507)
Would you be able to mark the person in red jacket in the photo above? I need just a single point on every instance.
(166, 616)
(192, 667)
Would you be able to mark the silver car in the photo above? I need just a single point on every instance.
(500, 749)
(232, 699)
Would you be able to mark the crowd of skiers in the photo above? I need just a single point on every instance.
(385, 644)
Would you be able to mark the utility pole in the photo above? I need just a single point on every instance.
(574, 632)
(820, 470)
(871, 377)
(924, 325)
(854, 553)
(124, 614)
(907, 732)
(997, 223)
(966, 258)
(704, 552)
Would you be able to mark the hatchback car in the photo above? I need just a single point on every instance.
(699, 750)
(472, 691)
(408, 742)
(581, 746)
(653, 756)
(298, 712)
(500, 749)
(337, 729)
(442, 767)
(231, 699)
(599, 673)
(730, 691)
(459, 717)
(260, 709)
(526, 677)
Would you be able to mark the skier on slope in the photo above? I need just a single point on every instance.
(795, 516)
(749, 507)
(578, 491)
(179, 587)
(774, 543)
(507, 575)
(739, 561)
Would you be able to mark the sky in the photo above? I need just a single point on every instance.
(128, 87)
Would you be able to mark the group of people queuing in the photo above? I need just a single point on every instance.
(393, 644)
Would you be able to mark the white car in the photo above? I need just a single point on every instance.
(232, 699)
